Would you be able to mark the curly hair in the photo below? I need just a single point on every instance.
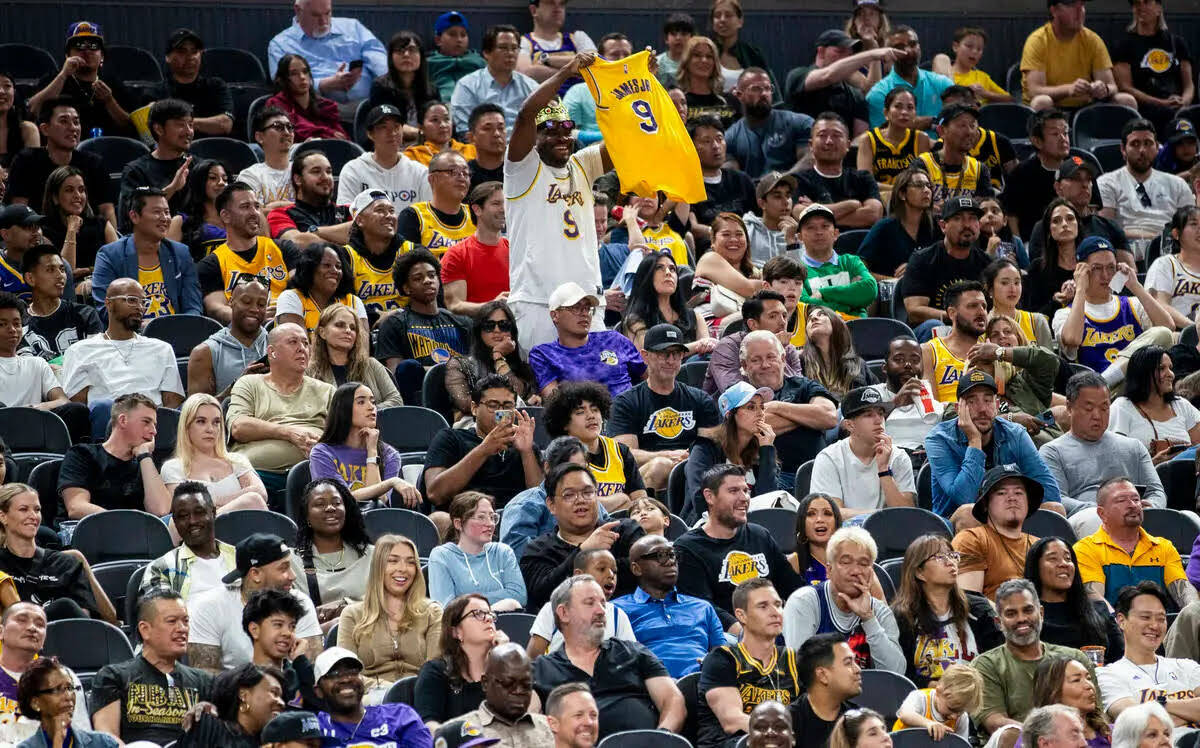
(405, 262)
(354, 529)
(33, 680)
(569, 396)
(310, 259)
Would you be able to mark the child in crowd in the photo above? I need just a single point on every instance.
(652, 515)
(996, 238)
(944, 707)
(967, 47)
(544, 635)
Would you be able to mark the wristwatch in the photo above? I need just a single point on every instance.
(885, 473)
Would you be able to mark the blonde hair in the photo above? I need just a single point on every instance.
(416, 602)
(185, 451)
(995, 317)
(356, 365)
(851, 536)
(714, 78)
(8, 492)
(963, 684)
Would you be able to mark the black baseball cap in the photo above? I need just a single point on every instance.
(19, 215)
(837, 38)
(952, 111)
(1071, 166)
(975, 378)
(179, 36)
(382, 112)
(861, 399)
(664, 337)
(256, 550)
(955, 205)
(1033, 489)
(462, 733)
(1180, 130)
(287, 726)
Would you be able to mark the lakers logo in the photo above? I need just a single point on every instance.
(608, 357)
(669, 423)
(740, 566)
(949, 376)
(1158, 60)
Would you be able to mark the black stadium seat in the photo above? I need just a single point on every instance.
(114, 577)
(339, 152)
(803, 479)
(1109, 156)
(871, 335)
(409, 428)
(434, 394)
(129, 64)
(233, 154)
(780, 522)
(1174, 526)
(1100, 123)
(415, 526)
(233, 65)
(516, 626)
(44, 479)
(915, 737)
(644, 739)
(1179, 481)
(884, 691)
(297, 478)
(1044, 523)
(251, 110)
(1007, 118)
(114, 152)
(121, 534)
(233, 527)
(85, 645)
(183, 331)
(896, 527)
(27, 63)
(402, 691)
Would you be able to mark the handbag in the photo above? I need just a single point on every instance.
(724, 302)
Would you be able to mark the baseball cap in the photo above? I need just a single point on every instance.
(331, 657)
(19, 215)
(258, 549)
(860, 3)
(570, 294)
(1091, 245)
(287, 726)
(771, 180)
(1033, 489)
(1180, 130)
(1071, 166)
(836, 38)
(814, 210)
(975, 378)
(739, 394)
(382, 112)
(861, 399)
(363, 200)
(955, 205)
(663, 337)
(952, 111)
(462, 733)
(84, 30)
(1050, 3)
(179, 36)
(448, 19)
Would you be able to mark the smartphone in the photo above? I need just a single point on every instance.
(1177, 448)
(1118, 282)
(1046, 417)
(356, 65)
(504, 417)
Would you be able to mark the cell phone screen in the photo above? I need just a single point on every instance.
(356, 64)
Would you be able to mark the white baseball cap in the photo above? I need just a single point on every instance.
(330, 657)
(364, 200)
(570, 294)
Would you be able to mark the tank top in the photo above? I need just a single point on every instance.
(927, 712)
(775, 680)
(436, 236)
(610, 472)
(151, 281)
(987, 152)
(947, 368)
(946, 184)
(1103, 339)
(312, 313)
(664, 237)
(1025, 322)
(267, 262)
(566, 44)
(891, 159)
(856, 637)
(375, 287)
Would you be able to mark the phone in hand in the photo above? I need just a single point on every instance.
(1046, 417)
(1176, 448)
(264, 362)
(505, 417)
(356, 65)
(1118, 282)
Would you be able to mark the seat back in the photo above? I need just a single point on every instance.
(1098, 123)
(434, 394)
(114, 152)
(402, 691)
(251, 112)
(541, 437)
(925, 487)
(1047, 524)
(26, 63)
(1006, 118)
(409, 428)
(676, 487)
(121, 534)
(85, 645)
(233, 154)
(885, 581)
(892, 568)
(780, 522)
(1109, 156)
(32, 430)
(233, 527)
(516, 626)
(132, 588)
(677, 528)
(692, 373)
(360, 124)
(848, 242)
(233, 65)
(915, 737)
(1175, 526)
(689, 686)
(44, 480)
(871, 335)
(339, 152)
(129, 63)
(415, 526)
(114, 577)
(297, 478)
(896, 527)
(884, 691)
(167, 433)
(1179, 483)
(644, 739)
(803, 479)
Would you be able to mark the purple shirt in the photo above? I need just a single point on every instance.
(349, 465)
(608, 357)
(386, 726)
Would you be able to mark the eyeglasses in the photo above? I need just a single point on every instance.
(507, 48)
(490, 517)
(586, 494)
(463, 173)
(141, 301)
(86, 46)
(496, 405)
(344, 672)
(489, 325)
(279, 127)
(661, 556)
(60, 690)
(581, 310)
(550, 125)
(946, 557)
(483, 616)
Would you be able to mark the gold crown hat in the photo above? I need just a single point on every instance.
(552, 111)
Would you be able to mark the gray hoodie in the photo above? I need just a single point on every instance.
(230, 358)
(764, 243)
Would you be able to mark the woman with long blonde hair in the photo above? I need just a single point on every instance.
(396, 628)
(200, 455)
(699, 78)
(340, 355)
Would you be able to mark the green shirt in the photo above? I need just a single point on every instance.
(845, 284)
(1008, 682)
(445, 71)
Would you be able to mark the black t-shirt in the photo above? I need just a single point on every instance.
(32, 166)
(1028, 189)
(1041, 285)
(437, 701)
(841, 97)
(93, 113)
(810, 730)
(888, 245)
(1154, 61)
(733, 194)
(307, 218)
(548, 560)
(50, 336)
(662, 422)
(932, 270)
(502, 475)
(208, 270)
(113, 483)
(1092, 225)
(729, 667)
(801, 444)
(851, 184)
(724, 107)
(428, 339)
(152, 706)
(209, 731)
(49, 575)
(479, 175)
(1185, 359)
(88, 240)
(208, 96)
(618, 683)
(147, 171)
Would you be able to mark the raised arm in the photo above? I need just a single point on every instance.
(524, 131)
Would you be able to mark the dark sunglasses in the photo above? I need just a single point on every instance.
(661, 556)
(550, 125)
(503, 325)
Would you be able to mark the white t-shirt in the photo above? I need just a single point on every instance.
(289, 303)
(616, 625)
(25, 380)
(1168, 193)
(1126, 419)
(921, 702)
(206, 574)
(270, 185)
(551, 229)
(839, 473)
(217, 620)
(1168, 676)
(222, 490)
(1170, 275)
(906, 424)
(582, 42)
(112, 368)
(406, 183)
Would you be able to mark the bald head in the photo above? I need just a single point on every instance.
(506, 655)
(508, 681)
(288, 349)
(126, 304)
(284, 331)
(124, 287)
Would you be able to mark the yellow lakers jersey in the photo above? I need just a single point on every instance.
(151, 281)
(645, 137)
(267, 262)
(966, 180)
(610, 471)
(800, 334)
(946, 370)
(312, 313)
(891, 159)
(375, 287)
(436, 236)
(927, 694)
(987, 152)
(664, 237)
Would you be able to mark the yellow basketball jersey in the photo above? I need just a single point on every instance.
(375, 287)
(946, 371)
(664, 237)
(891, 159)
(423, 153)
(267, 262)
(151, 280)
(987, 152)
(1025, 322)
(800, 335)
(646, 139)
(965, 181)
(927, 713)
(610, 472)
(436, 236)
(312, 313)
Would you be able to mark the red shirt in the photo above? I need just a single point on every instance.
(483, 266)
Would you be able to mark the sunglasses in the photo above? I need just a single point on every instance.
(490, 325)
(86, 46)
(661, 556)
(248, 278)
(566, 125)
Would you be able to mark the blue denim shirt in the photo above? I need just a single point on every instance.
(679, 629)
(119, 260)
(347, 41)
(957, 470)
(526, 516)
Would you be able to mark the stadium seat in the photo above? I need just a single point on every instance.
(780, 522)
(251, 111)
(848, 242)
(297, 478)
(233, 65)
(677, 488)
(29, 430)
(128, 64)
(26, 63)
(516, 626)
(183, 331)
(415, 526)
(434, 394)
(876, 369)
(1100, 123)
(915, 737)
(402, 691)
(360, 124)
(677, 528)
(233, 527)
(893, 568)
(1179, 482)
(803, 479)
(884, 691)
(1189, 335)
(644, 739)
(132, 588)
(233, 154)
(692, 373)
(885, 581)
(409, 428)
(10, 470)
(1007, 118)
(1023, 148)
(44, 479)
(339, 152)
(925, 487)
(331, 637)
(1174, 526)
(896, 527)
(85, 645)
(121, 534)
(871, 335)
(1109, 156)
(1087, 155)
(689, 686)
(1044, 524)
(1012, 81)
(114, 577)
(114, 152)
(167, 432)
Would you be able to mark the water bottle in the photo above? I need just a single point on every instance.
(97, 132)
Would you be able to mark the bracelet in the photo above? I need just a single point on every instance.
(885, 473)
(144, 456)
